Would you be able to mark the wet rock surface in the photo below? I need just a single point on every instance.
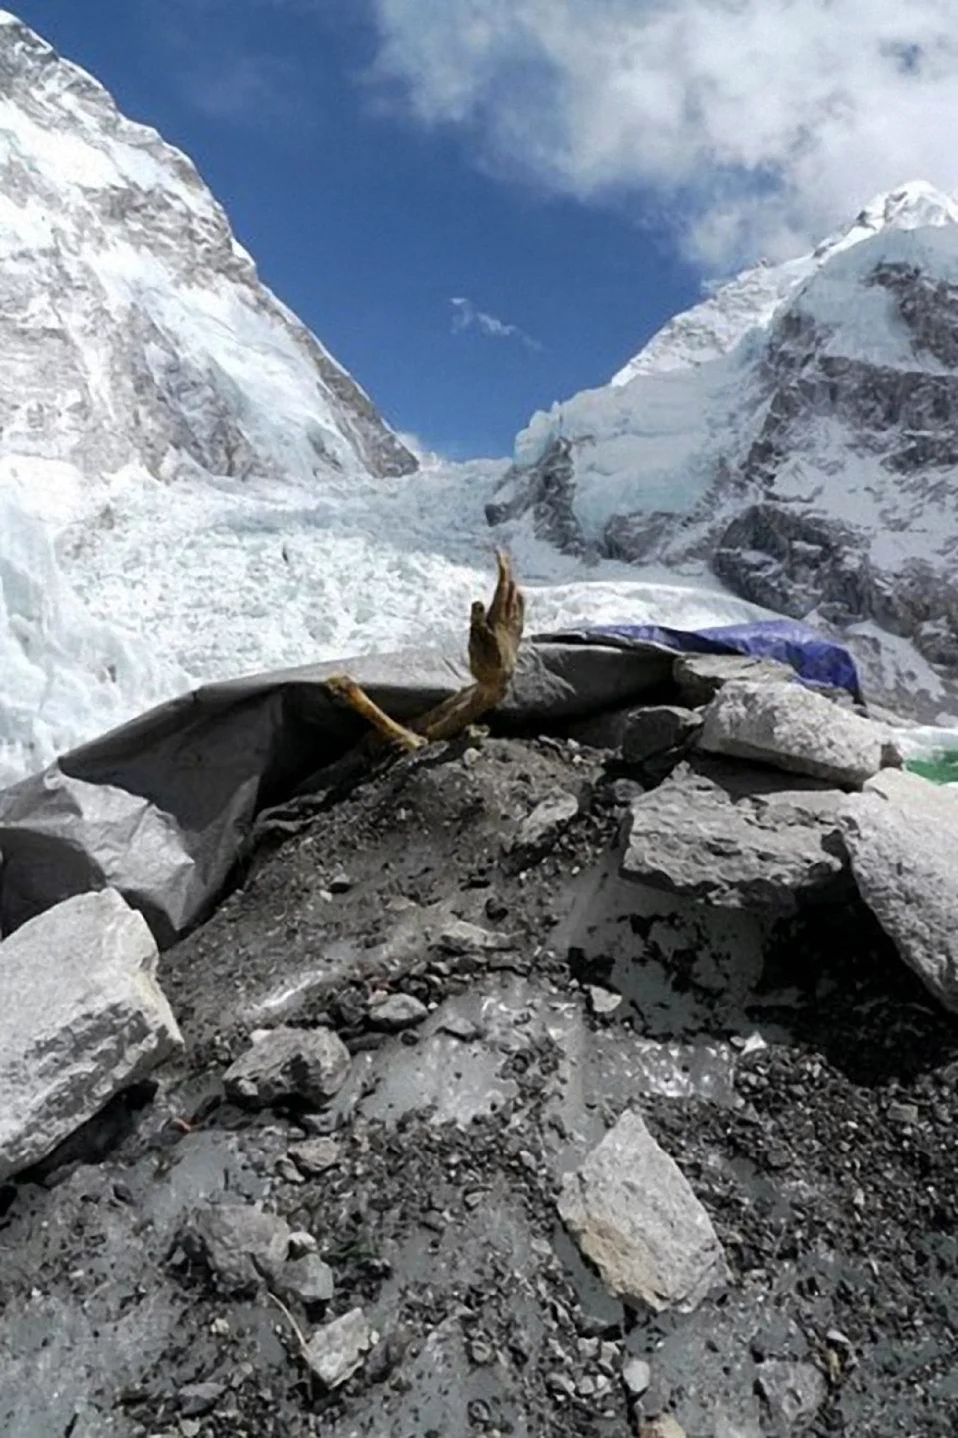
(794, 1070)
(742, 840)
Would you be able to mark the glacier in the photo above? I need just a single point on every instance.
(191, 486)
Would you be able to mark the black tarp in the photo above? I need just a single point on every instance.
(160, 807)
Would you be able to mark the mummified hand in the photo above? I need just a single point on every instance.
(495, 633)
(494, 636)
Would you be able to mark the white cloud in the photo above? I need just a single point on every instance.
(466, 316)
(755, 125)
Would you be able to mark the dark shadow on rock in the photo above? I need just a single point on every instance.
(827, 979)
(95, 1139)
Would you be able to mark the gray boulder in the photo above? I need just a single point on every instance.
(308, 1279)
(793, 728)
(738, 839)
(902, 838)
(81, 1017)
(397, 1011)
(657, 729)
(540, 829)
(699, 677)
(240, 1245)
(793, 1391)
(306, 1064)
(634, 1215)
(247, 1250)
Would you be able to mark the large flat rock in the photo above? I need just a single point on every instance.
(81, 1017)
(699, 677)
(902, 837)
(737, 840)
(793, 728)
(634, 1215)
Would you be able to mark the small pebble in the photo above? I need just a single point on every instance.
(637, 1375)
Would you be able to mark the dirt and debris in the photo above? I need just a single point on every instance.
(796, 1071)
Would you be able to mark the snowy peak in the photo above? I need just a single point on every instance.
(750, 300)
(910, 207)
(122, 277)
(797, 436)
(151, 388)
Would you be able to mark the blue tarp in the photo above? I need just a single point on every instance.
(815, 659)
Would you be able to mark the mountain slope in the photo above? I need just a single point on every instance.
(147, 381)
(190, 486)
(126, 297)
(797, 436)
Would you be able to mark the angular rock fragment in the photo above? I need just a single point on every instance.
(792, 728)
(461, 937)
(195, 1399)
(241, 1246)
(902, 838)
(81, 1017)
(286, 1064)
(741, 844)
(315, 1155)
(336, 1350)
(634, 1215)
(794, 1392)
(540, 829)
(664, 1426)
(699, 677)
(308, 1279)
(397, 1011)
(636, 1377)
(656, 730)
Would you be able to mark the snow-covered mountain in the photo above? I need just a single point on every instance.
(797, 435)
(190, 486)
(142, 364)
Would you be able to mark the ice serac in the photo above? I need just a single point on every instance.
(797, 436)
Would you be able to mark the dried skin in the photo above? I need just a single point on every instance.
(495, 634)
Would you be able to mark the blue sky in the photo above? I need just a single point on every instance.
(481, 206)
(368, 225)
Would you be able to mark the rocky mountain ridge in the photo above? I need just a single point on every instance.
(795, 435)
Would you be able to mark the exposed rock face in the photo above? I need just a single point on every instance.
(798, 435)
(133, 327)
(547, 489)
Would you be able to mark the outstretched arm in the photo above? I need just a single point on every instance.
(358, 700)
